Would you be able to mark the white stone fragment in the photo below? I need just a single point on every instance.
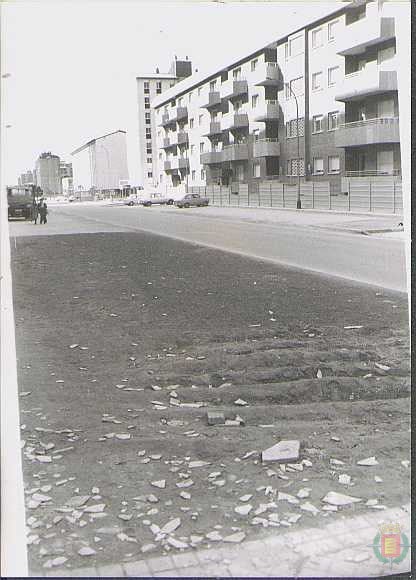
(368, 462)
(339, 499)
(283, 451)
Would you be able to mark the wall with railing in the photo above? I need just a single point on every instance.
(355, 195)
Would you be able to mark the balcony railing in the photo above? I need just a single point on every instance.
(182, 137)
(180, 162)
(369, 132)
(235, 152)
(214, 129)
(211, 157)
(269, 111)
(214, 99)
(270, 75)
(232, 89)
(169, 142)
(235, 121)
(373, 173)
(266, 148)
(372, 79)
(181, 113)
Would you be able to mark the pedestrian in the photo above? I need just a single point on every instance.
(35, 212)
(43, 211)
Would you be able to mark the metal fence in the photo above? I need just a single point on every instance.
(354, 195)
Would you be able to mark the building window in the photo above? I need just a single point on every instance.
(193, 175)
(180, 102)
(201, 147)
(149, 160)
(161, 178)
(212, 85)
(291, 128)
(202, 174)
(294, 166)
(171, 85)
(297, 86)
(237, 74)
(148, 133)
(147, 103)
(317, 81)
(160, 155)
(317, 38)
(333, 74)
(332, 30)
(146, 87)
(296, 45)
(147, 118)
(256, 169)
(149, 174)
(332, 120)
(158, 87)
(192, 149)
(191, 123)
(190, 96)
(254, 101)
(199, 91)
(254, 64)
(318, 166)
(334, 164)
(317, 124)
(200, 118)
(286, 51)
(149, 149)
(256, 134)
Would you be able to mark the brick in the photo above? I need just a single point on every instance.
(161, 564)
(114, 570)
(139, 568)
(185, 560)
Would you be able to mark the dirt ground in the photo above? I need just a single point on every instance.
(125, 341)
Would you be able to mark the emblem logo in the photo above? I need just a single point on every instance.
(390, 545)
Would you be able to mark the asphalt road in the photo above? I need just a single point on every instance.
(126, 339)
(372, 260)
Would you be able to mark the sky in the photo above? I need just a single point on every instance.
(70, 66)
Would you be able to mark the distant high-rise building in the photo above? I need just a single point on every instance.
(107, 156)
(48, 175)
(148, 87)
(27, 178)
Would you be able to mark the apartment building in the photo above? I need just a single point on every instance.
(27, 178)
(48, 175)
(150, 86)
(321, 102)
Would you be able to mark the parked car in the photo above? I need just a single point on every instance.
(156, 199)
(192, 200)
(132, 200)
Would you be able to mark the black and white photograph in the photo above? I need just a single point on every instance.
(205, 219)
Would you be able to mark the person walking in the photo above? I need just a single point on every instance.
(43, 211)
(35, 212)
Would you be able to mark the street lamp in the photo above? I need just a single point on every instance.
(298, 200)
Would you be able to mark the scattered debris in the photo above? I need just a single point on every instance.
(282, 451)
(215, 417)
(243, 510)
(161, 483)
(368, 462)
(235, 538)
(339, 499)
(86, 551)
(344, 479)
(241, 403)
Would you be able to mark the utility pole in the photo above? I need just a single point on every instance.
(298, 200)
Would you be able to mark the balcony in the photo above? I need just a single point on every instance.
(214, 129)
(167, 120)
(369, 132)
(179, 163)
(372, 29)
(269, 75)
(235, 152)
(268, 111)
(211, 157)
(181, 113)
(235, 121)
(167, 166)
(182, 137)
(214, 100)
(169, 142)
(232, 89)
(370, 80)
(266, 148)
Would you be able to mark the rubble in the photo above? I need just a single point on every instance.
(339, 499)
(283, 451)
(215, 418)
(369, 462)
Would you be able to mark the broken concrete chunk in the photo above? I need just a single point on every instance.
(177, 543)
(86, 551)
(198, 464)
(215, 417)
(282, 451)
(340, 499)
(243, 510)
(161, 484)
(97, 508)
(214, 536)
(368, 462)
(241, 402)
(171, 526)
(235, 538)
(77, 501)
(308, 507)
(282, 496)
(246, 497)
(344, 478)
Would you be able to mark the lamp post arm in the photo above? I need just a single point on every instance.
(298, 200)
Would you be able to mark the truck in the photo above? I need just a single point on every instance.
(21, 200)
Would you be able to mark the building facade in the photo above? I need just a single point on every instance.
(107, 162)
(149, 86)
(321, 102)
(27, 178)
(48, 175)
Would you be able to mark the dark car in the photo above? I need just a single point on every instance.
(192, 200)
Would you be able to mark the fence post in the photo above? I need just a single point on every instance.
(283, 194)
(271, 195)
(313, 195)
(349, 195)
(394, 196)
(369, 183)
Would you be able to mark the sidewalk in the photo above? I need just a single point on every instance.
(342, 548)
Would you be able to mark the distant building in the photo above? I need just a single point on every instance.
(107, 162)
(66, 178)
(150, 86)
(27, 178)
(48, 175)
